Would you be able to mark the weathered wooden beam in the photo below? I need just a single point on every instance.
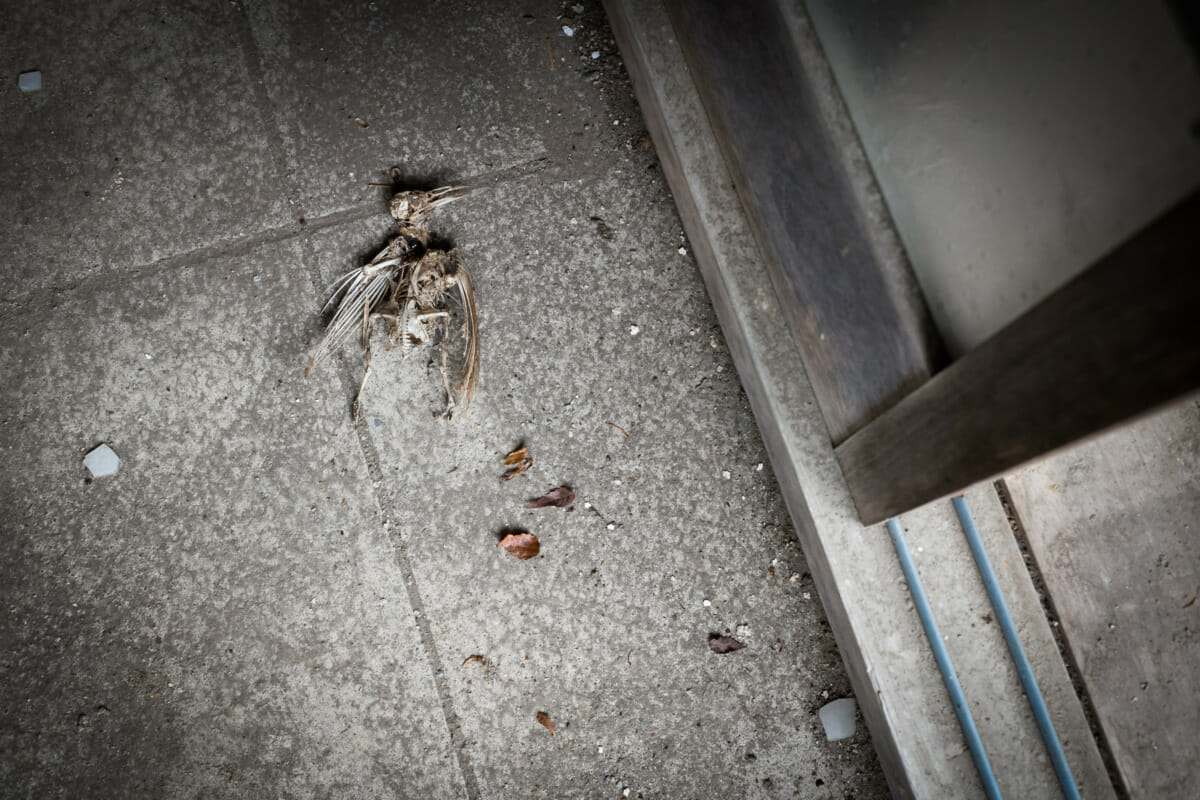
(859, 320)
(1116, 342)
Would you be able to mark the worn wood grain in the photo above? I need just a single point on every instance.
(1116, 342)
(861, 325)
(1113, 527)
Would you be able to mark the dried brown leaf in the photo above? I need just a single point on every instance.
(524, 466)
(544, 719)
(516, 456)
(560, 498)
(521, 545)
(475, 659)
(724, 644)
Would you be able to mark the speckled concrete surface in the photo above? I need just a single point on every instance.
(267, 601)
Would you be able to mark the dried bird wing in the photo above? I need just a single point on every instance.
(521, 545)
(357, 294)
(516, 456)
(724, 644)
(523, 466)
(544, 719)
(560, 497)
(466, 385)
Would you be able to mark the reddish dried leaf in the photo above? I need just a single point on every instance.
(525, 464)
(521, 545)
(516, 456)
(724, 644)
(560, 497)
(544, 719)
(475, 659)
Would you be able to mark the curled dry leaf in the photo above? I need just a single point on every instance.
(723, 644)
(523, 466)
(516, 456)
(544, 719)
(560, 497)
(521, 545)
(475, 659)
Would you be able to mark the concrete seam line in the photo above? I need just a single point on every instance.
(399, 552)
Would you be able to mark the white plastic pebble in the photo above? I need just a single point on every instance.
(838, 718)
(30, 81)
(102, 462)
(759, 467)
(568, 30)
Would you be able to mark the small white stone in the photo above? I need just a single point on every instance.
(806, 596)
(634, 330)
(611, 526)
(587, 505)
(838, 718)
(759, 467)
(706, 603)
(148, 356)
(30, 81)
(102, 462)
(725, 474)
(599, 749)
(616, 122)
(568, 30)
(595, 54)
(683, 251)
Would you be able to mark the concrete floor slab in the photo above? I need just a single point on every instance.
(447, 90)
(223, 616)
(143, 113)
(607, 630)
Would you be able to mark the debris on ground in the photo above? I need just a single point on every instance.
(544, 719)
(522, 466)
(30, 81)
(838, 718)
(413, 286)
(516, 456)
(475, 659)
(102, 462)
(559, 498)
(723, 644)
(521, 545)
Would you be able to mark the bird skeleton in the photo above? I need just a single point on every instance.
(412, 287)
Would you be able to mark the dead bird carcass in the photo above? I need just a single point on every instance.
(418, 290)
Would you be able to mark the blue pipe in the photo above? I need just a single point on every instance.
(1024, 670)
(970, 732)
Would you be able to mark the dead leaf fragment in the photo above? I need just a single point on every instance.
(516, 456)
(560, 498)
(475, 659)
(360, 122)
(544, 719)
(521, 545)
(523, 466)
(723, 644)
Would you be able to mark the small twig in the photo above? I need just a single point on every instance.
(618, 427)
(550, 49)
(379, 185)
